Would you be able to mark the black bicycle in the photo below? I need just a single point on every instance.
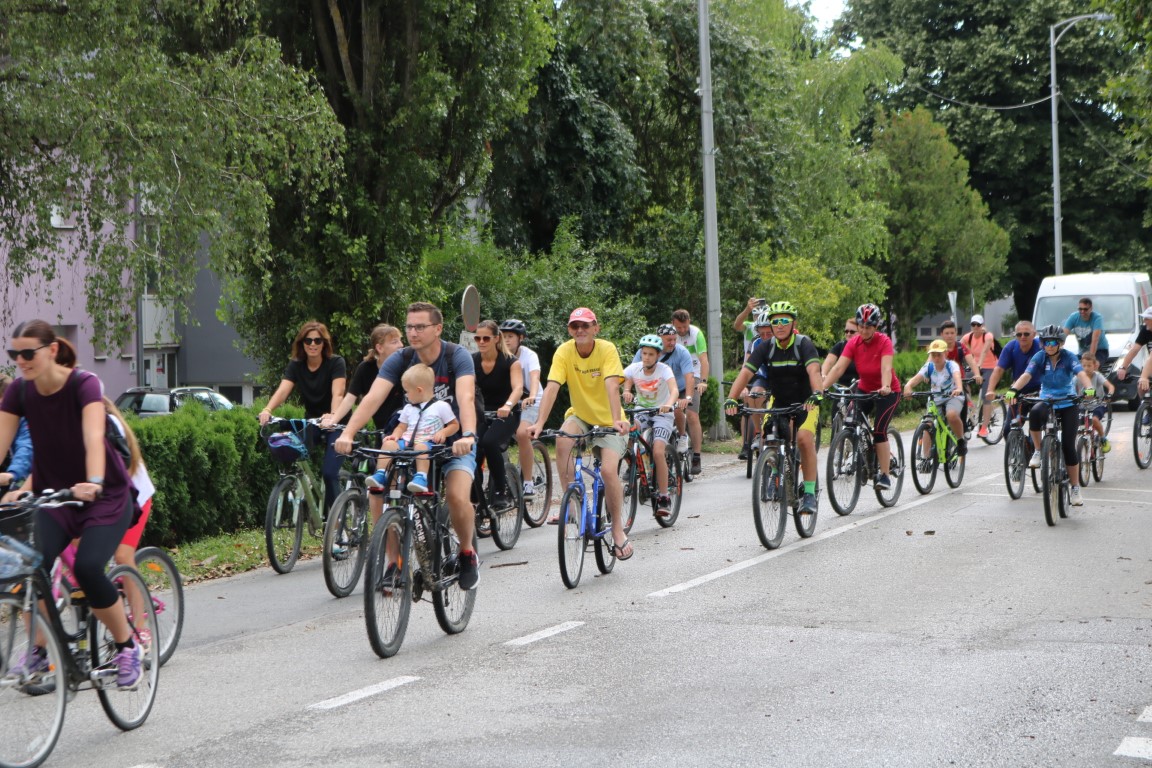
(638, 474)
(1054, 478)
(1142, 432)
(1017, 449)
(777, 482)
(852, 459)
(500, 520)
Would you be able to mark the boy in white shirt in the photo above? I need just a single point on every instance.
(1100, 384)
(423, 421)
(655, 385)
(948, 392)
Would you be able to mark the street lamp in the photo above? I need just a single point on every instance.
(1053, 38)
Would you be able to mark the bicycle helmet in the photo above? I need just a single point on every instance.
(1050, 332)
(868, 314)
(666, 329)
(651, 340)
(514, 326)
(762, 320)
(782, 308)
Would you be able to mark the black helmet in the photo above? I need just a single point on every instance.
(1050, 332)
(666, 329)
(513, 325)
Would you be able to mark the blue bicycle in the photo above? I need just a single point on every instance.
(583, 519)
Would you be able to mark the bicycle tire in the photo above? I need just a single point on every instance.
(1097, 462)
(630, 479)
(1106, 422)
(924, 469)
(845, 472)
(539, 504)
(1142, 435)
(604, 543)
(507, 523)
(1084, 453)
(1049, 478)
(570, 541)
(1015, 463)
(888, 498)
(284, 524)
(997, 422)
(954, 464)
(32, 712)
(126, 709)
(675, 488)
(749, 440)
(166, 587)
(452, 604)
(805, 522)
(345, 540)
(386, 610)
(769, 501)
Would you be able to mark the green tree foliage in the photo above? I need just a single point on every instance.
(940, 236)
(991, 52)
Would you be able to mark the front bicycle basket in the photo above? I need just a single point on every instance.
(17, 559)
(17, 523)
(287, 447)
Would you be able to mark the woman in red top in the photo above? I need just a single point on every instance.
(872, 352)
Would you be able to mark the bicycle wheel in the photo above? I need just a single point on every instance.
(1106, 421)
(167, 591)
(510, 520)
(924, 467)
(634, 477)
(539, 503)
(31, 707)
(1097, 462)
(603, 546)
(1142, 435)
(1084, 451)
(570, 539)
(805, 523)
(284, 524)
(126, 709)
(453, 605)
(345, 539)
(997, 419)
(387, 604)
(954, 464)
(1015, 463)
(769, 501)
(1050, 478)
(676, 471)
(889, 497)
(846, 470)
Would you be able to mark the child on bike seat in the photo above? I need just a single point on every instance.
(1100, 384)
(423, 422)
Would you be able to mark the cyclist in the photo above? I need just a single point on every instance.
(1015, 357)
(747, 327)
(1088, 326)
(513, 331)
(872, 352)
(676, 356)
(794, 363)
(983, 345)
(755, 394)
(320, 376)
(591, 369)
(693, 339)
(943, 376)
(18, 463)
(958, 353)
(455, 384)
(70, 450)
(1092, 367)
(1143, 340)
(655, 385)
(500, 383)
(422, 423)
(1056, 368)
(849, 375)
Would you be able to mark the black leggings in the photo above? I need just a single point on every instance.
(97, 545)
(1069, 418)
(885, 410)
(333, 461)
(497, 434)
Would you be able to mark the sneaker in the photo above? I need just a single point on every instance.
(128, 664)
(34, 662)
(663, 506)
(983, 430)
(809, 504)
(339, 552)
(529, 488)
(501, 500)
(1074, 497)
(418, 483)
(682, 444)
(744, 454)
(484, 527)
(1105, 446)
(469, 570)
(144, 638)
(393, 580)
(695, 463)
(962, 448)
(1034, 462)
(377, 481)
(883, 482)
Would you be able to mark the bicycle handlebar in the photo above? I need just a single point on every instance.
(784, 410)
(432, 452)
(552, 434)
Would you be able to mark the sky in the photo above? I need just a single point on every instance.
(826, 11)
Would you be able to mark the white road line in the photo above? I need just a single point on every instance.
(737, 567)
(1135, 746)
(1145, 716)
(1144, 491)
(364, 693)
(544, 633)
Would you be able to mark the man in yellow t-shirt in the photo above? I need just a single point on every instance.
(592, 370)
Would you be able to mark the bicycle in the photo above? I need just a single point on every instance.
(638, 474)
(1054, 479)
(32, 704)
(416, 524)
(777, 482)
(503, 523)
(346, 529)
(1142, 432)
(933, 439)
(584, 520)
(1017, 449)
(852, 459)
(539, 503)
(997, 417)
(753, 440)
(1088, 443)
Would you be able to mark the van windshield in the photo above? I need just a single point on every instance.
(1119, 312)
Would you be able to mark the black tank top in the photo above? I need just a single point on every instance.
(496, 387)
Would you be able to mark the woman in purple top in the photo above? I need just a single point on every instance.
(64, 408)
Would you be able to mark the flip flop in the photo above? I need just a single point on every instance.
(618, 550)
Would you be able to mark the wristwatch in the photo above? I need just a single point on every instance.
(468, 434)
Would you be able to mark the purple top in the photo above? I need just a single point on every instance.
(58, 456)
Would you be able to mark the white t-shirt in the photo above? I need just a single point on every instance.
(940, 380)
(694, 342)
(529, 361)
(424, 422)
(140, 478)
(652, 389)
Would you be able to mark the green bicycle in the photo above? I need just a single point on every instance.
(932, 440)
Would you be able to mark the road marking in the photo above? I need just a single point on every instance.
(364, 693)
(1135, 746)
(545, 633)
(1145, 716)
(737, 567)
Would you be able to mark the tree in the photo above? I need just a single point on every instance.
(941, 237)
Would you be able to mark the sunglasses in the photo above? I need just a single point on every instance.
(1085, 309)
(780, 321)
(314, 340)
(849, 332)
(579, 326)
(25, 354)
(1051, 342)
(1023, 335)
(479, 339)
(975, 324)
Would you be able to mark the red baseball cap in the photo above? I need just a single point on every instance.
(582, 315)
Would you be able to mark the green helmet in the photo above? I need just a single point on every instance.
(782, 308)
(651, 340)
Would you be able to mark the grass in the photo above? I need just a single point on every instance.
(229, 554)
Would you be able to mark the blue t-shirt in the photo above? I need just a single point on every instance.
(679, 360)
(1083, 329)
(1056, 379)
(1014, 359)
(445, 389)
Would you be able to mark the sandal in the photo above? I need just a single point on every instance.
(618, 550)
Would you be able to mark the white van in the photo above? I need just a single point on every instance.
(1119, 297)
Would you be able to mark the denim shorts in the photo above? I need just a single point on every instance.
(465, 463)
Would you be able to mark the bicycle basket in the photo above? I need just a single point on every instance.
(286, 447)
(17, 524)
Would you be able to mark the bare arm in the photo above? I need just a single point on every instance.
(279, 397)
(338, 387)
(372, 401)
(547, 400)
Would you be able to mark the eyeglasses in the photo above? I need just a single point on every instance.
(1085, 309)
(25, 354)
(479, 339)
(780, 321)
(1051, 342)
(849, 332)
(1023, 335)
(579, 326)
(418, 328)
(314, 340)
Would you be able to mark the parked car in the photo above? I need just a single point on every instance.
(154, 401)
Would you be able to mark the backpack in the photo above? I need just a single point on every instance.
(111, 433)
(409, 359)
(997, 347)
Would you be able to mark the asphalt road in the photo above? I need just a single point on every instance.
(955, 629)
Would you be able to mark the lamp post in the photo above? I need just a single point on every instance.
(1053, 38)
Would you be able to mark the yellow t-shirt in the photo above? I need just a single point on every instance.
(585, 379)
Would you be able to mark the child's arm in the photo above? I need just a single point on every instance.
(446, 431)
(626, 390)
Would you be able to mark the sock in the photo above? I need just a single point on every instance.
(129, 644)
(810, 487)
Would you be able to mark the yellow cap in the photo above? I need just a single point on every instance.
(939, 345)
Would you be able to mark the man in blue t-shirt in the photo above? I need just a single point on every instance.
(1088, 325)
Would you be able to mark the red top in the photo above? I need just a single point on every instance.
(867, 358)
